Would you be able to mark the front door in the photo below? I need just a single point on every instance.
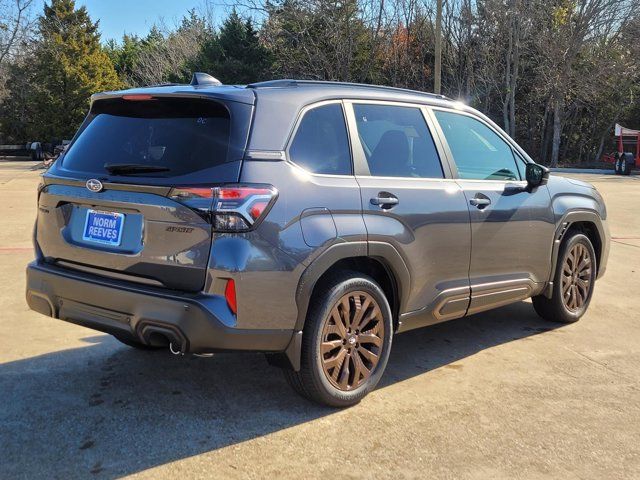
(512, 228)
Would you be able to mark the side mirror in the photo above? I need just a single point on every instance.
(537, 175)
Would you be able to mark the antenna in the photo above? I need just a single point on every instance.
(200, 78)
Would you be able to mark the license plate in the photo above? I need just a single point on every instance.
(103, 227)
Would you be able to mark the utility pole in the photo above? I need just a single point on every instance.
(437, 79)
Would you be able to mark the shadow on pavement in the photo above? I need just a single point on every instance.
(109, 410)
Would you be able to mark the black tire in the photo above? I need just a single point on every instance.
(313, 381)
(555, 309)
(625, 167)
(617, 167)
(135, 344)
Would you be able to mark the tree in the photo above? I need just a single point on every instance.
(166, 54)
(570, 31)
(139, 61)
(557, 74)
(17, 112)
(437, 83)
(318, 39)
(14, 27)
(125, 56)
(16, 21)
(235, 54)
(68, 66)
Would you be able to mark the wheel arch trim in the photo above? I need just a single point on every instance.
(381, 251)
(568, 219)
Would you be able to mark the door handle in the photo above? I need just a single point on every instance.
(480, 202)
(386, 201)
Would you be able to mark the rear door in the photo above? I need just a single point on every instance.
(130, 197)
(512, 228)
(410, 201)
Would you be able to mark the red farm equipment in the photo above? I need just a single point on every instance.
(627, 155)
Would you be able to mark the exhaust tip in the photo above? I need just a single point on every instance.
(160, 335)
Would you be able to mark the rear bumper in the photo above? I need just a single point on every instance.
(199, 323)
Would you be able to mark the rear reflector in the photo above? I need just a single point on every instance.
(230, 296)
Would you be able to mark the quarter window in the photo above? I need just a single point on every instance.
(479, 153)
(397, 141)
(321, 144)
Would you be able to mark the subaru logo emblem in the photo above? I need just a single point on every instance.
(94, 185)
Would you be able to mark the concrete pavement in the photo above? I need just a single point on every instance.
(501, 394)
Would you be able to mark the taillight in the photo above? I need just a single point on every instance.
(231, 208)
(237, 208)
(230, 296)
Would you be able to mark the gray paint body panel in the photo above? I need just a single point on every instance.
(151, 246)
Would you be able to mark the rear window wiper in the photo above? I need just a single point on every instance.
(131, 168)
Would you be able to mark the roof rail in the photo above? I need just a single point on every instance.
(281, 82)
(285, 82)
(166, 84)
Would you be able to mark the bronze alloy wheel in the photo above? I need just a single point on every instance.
(352, 340)
(576, 277)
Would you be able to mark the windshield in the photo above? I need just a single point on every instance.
(164, 137)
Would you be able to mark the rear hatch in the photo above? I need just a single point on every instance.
(108, 205)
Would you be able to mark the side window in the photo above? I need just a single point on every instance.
(479, 153)
(321, 144)
(397, 141)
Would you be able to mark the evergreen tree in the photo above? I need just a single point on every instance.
(68, 66)
(235, 55)
(16, 112)
(125, 56)
(133, 53)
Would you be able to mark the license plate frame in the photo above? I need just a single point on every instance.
(103, 227)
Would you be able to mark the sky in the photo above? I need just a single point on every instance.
(133, 16)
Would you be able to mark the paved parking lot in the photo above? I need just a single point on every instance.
(497, 395)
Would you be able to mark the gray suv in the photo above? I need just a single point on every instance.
(308, 220)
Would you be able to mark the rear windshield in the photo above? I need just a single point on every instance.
(177, 135)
